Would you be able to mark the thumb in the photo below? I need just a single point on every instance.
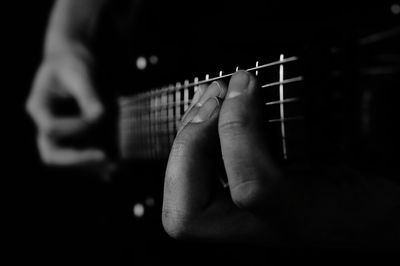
(81, 87)
(250, 169)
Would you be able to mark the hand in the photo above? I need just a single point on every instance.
(320, 205)
(195, 204)
(63, 77)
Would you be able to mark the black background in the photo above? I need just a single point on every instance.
(52, 216)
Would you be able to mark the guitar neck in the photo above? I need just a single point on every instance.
(149, 121)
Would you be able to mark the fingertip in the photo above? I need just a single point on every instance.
(29, 107)
(199, 92)
(238, 84)
(222, 89)
(39, 111)
(241, 78)
(97, 155)
(93, 111)
(210, 107)
(216, 89)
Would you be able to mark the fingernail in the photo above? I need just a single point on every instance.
(197, 95)
(214, 90)
(206, 111)
(216, 85)
(234, 94)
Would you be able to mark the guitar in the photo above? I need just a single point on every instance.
(329, 99)
(331, 107)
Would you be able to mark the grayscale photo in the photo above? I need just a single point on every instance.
(154, 132)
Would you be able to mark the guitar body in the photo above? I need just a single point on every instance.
(345, 110)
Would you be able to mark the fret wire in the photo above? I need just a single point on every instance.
(285, 119)
(282, 82)
(127, 110)
(126, 126)
(137, 128)
(156, 107)
(289, 100)
(146, 121)
(171, 116)
(127, 121)
(143, 127)
(286, 60)
(147, 127)
(162, 90)
(153, 117)
(164, 113)
(156, 125)
(257, 63)
(178, 104)
(186, 95)
(135, 107)
(140, 127)
(282, 107)
(286, 81)
(152, 127)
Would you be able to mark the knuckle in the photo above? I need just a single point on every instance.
(30, 107)
(232, 126)
(96, 111)
(46, 156)
(48, 127)
(46, 153)
(47, 160)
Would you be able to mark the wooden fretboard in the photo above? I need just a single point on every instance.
(148, 122)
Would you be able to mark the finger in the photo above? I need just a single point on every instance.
(250, 170)
(200, 91)
(59, 128)
(40, 107)
(215, 89)
(50, 124)
(191, 165)
(55, 155)
(80, 85)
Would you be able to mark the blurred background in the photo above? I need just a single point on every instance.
(51, 220)
(56, 216)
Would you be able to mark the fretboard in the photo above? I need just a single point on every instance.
(149, 121)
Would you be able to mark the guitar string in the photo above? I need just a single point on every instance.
(160, 144)
(166, 132)
(165, 120)
(166, 127)
(128, 116)
(179, 86)
(133, 107)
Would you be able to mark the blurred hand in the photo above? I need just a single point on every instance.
(61, 78)
(195, 204)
